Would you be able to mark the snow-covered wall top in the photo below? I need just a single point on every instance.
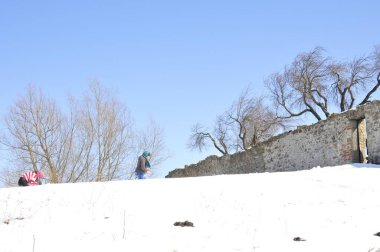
(343, 138)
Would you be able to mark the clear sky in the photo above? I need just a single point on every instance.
(178, 62)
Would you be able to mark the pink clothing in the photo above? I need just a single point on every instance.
(30, 177)
(40, 175)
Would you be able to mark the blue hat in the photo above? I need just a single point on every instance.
(146, 154)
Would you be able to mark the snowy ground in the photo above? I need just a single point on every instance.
(333, 209)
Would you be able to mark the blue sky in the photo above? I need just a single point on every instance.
(178, 62)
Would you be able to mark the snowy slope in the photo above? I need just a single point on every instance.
(332, 208)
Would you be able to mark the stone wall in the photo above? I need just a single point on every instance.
(338, 140)
(372, 117)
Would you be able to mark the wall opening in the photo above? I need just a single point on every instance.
(362, 141)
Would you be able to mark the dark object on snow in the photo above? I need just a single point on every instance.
(22, 182)
(184, 224)
(377, 234)
(298, 239)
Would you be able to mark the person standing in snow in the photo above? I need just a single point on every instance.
(31, 178)
(143, 166)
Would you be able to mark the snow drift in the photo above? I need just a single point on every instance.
(323, 209)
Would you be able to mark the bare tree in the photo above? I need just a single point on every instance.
(35, 127)
(9, 175)
(351, 78)
(150, 139)
(107, 142)
(302, 88)
(252, 120)
(105, 132)
(314, 81)
(95, 141)
(200, 137)
(246, 123)
(375, 60)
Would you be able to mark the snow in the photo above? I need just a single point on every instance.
(332, 208)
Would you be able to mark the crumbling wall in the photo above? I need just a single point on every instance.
(372, 116)
(329, 142)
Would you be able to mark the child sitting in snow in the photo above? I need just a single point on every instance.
(31, 178)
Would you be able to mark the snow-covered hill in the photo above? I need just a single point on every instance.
(331, 209)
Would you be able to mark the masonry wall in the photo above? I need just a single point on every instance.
(372, 116)
(334, 141)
